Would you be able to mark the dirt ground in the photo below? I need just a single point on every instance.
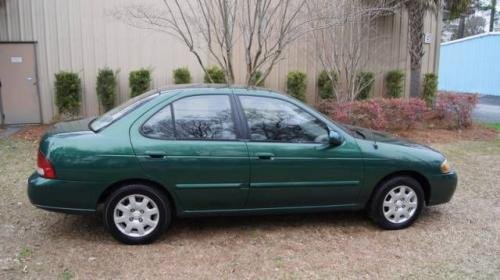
(457, 240)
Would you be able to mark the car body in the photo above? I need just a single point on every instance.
(213, 150)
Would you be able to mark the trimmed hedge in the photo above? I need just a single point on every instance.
(296, 84)
(452, 111)
(68, 93)
(257, 76)
(325, 84)
(217, 75)
(365, 80)
(430, 88)
(139, 81)
(106, 88)
(182, 76)
(395, 83)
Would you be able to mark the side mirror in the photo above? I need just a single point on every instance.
(335, 139)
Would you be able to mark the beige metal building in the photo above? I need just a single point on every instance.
(41, 37)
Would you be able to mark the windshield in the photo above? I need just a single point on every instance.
(123, 109)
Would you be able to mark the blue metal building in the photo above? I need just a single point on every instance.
(471, 65)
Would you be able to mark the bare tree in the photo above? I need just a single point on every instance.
(267, 27)
(345, 42)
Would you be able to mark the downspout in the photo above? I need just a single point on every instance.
(437, 44)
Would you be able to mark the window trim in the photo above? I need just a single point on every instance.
(236, 123)
(247, 129)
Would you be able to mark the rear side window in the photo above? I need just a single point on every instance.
(202, 117)
(160, 125)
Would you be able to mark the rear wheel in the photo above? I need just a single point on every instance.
(137, 214)
(397, 203)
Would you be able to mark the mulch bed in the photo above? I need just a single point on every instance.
(31, 133)
(476, 132)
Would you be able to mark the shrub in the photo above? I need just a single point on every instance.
(106, 88)
(455, 110)
(395, 83)
(378, 113)
(430, 88)
(257, 75)
(452, 111)
(217, 75)
(68, 93)
(296, 84)
(326, 84)
(139, 81)
(182, 76)
(365, 81)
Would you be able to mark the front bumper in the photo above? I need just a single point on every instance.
(74, 197)
(442, 188)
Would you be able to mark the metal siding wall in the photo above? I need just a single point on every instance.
(82, 36)
(3, 21)
(471, 65)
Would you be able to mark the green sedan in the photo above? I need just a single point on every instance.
(218, 150)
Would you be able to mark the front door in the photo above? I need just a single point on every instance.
(291, 164)
(192, 146)
(18, 92)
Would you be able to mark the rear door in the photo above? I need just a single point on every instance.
(291, 163)
(192, 146)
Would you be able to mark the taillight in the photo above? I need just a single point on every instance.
(45, 168)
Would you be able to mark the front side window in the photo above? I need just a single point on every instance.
(203, 117)
(275, 120)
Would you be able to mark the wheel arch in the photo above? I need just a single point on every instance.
(147, 182)
(424, 182)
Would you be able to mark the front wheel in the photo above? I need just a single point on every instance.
(397, 203)
(137, 214)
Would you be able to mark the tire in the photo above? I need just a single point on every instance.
(397, 203)
(137, 214)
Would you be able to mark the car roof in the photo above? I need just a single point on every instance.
(201, 87)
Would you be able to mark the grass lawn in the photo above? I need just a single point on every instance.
(458, 240)
(494, 125)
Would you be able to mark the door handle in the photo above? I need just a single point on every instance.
(155, 154)
(265, 155)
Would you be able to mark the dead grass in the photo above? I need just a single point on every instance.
(457, 240)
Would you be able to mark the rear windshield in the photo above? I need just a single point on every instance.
(123, 109)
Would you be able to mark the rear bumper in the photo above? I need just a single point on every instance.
(442, 188)
(73, 197)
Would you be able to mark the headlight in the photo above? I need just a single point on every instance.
(445, 167)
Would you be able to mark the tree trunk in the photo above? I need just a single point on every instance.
(415, 82)
(492, 14)
(461, 28)
(416, 13)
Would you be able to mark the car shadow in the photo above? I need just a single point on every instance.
(91, 227)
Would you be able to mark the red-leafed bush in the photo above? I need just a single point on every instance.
(451, 111)
(455, 110)
(360, 113)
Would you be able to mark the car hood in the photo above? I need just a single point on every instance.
(377, 136)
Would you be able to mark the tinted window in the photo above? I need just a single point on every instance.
(160, 125)
(270, 119)
(204, 117)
